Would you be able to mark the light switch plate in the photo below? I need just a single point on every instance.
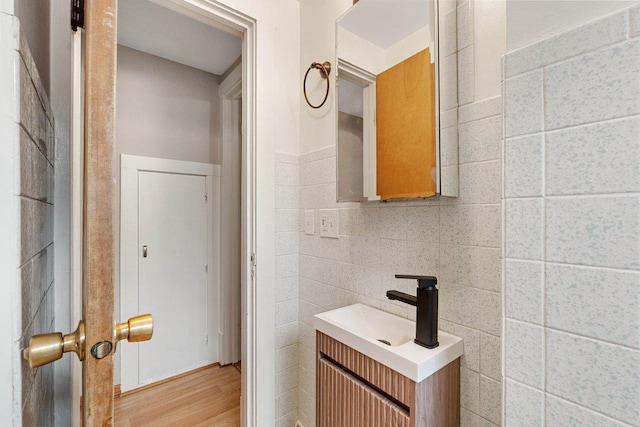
(308, 222)
(329, 223)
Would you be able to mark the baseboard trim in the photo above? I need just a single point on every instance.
(157, 383)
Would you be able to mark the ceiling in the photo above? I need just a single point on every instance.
(386, 22)
(148, 27)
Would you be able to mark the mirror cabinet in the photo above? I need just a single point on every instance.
(397, 102)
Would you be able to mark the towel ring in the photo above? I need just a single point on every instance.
(325, 70)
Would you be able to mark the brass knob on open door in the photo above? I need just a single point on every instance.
(136, 329)
(47, 348)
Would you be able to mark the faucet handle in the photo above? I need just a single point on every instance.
(424, 282)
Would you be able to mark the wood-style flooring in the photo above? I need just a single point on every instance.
(207, 397)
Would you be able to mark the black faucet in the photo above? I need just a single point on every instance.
(427, 308)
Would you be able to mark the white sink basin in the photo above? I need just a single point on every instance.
(361, 327)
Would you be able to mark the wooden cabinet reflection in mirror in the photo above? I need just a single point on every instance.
(406, 129)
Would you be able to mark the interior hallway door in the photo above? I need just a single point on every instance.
(172, 272)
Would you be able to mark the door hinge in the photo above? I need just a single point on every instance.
(206, 268)
(206, 339)
(77, 14)
(206, 197)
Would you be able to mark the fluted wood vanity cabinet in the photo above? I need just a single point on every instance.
(354, 390)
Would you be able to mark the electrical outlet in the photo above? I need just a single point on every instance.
(329, 223)
(309, 222)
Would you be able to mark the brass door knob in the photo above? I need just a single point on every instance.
(47, 348)
(136, 329)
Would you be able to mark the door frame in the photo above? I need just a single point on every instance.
(230, 93)
(130, 249)
(228, 19)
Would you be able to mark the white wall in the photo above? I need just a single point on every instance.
(317, 44)
(166, 109)
(572, 224)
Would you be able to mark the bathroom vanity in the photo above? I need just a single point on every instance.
(363, 381)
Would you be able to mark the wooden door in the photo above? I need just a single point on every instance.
(406, 129)
(99, 232)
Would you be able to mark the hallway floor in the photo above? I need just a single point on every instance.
(207, 397)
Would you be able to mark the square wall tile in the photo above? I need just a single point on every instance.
(524, 166)
(287, 220)
(601, 158)
(449, 87)
(490, 356)
(288, 420)
(459, 304)
(465, 25)
(475, 225)
(474, 266)
(448, 146)
(524, 229)
(318, 172)
(287, 335)
(525, 353)
(286, 266)
(635, 21)
(286, 312)
(598, 86)
(286, 403)
(481, 110)
(287, 175)
(481, 183)
(598, 303)
(490, 319)
(286, 289)
(524, 287)
(596, 231)
(601, 376)
(471, 341)
(490, 399)
(286, 357)
(287, 243)
(561, 413)
(448, 38)
(523, 104)
(287, 380)
(469, 389)
(480, 140)
(524, 406)
(466, 76)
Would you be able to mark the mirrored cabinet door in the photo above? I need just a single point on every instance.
(397, 100)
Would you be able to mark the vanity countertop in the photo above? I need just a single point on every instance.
(361, 327)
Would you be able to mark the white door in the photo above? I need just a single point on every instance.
(172, 224)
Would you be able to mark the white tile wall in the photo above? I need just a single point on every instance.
(457, 240)
(572, 221)
(287, 292)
